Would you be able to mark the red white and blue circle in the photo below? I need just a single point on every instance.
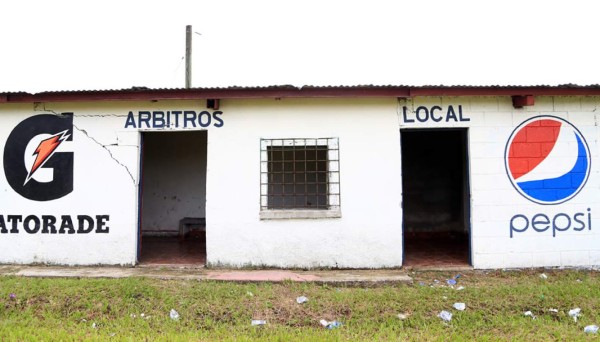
(547, 160)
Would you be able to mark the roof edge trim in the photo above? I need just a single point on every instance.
(278, 92)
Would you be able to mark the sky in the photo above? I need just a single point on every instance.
(93, 45)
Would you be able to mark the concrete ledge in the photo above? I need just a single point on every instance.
(299, 214)
(180, 272)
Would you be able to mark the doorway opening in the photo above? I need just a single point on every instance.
(172, 218)
(435, 197)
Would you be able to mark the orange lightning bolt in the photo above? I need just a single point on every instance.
(45, 150)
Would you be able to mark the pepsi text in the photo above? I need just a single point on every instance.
(560, 222)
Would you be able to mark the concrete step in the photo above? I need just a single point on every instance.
(340, 277)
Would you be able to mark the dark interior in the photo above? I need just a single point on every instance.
(173, 166)
(435, 197)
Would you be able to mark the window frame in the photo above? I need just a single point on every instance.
(332, 179)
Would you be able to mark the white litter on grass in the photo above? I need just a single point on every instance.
(403, 316)
(575, 313)
(250, 294)
(258, 322)
(174, 315)
(460, 306)
(301, 300)
(553, 310)
(445, 316)
(591, 329)
(460, 288)
(132, 315)
(530, 314)
(543, 276)
(330, 325)
(94, 325)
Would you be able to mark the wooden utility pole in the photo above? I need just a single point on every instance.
(188, 56)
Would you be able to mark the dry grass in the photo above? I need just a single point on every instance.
(66, 309)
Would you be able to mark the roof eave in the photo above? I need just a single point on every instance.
(144, 94)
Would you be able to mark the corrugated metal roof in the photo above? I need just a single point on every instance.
(290, 91)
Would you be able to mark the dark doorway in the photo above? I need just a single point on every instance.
(173, 198)
(435, 197)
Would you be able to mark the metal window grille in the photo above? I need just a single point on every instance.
(299, 174)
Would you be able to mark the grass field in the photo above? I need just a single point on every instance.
(100, 309)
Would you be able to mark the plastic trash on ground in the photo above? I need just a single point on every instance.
(422, 283)
(451, 282)
(403, 316)
(530, 314)
(445, 316)
(258, 322)
(174, 315)
(330, 325)
(334, 324)
(553, 310)
(460, 288)
(301, 300)
(591, 329)
(94, 326)
(575, 313)
(460, 306)
(12, 296)
(543, 276)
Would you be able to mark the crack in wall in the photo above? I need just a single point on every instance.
(102, 116)
(36, 107)
(107, 150)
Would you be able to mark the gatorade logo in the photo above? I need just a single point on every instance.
(35, 163)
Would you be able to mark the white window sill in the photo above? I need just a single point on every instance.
(286, 214)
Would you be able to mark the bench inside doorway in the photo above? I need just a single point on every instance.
(188, 224)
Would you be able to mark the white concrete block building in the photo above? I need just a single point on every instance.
(348, 177)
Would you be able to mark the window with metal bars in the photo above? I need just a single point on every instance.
(300, 174)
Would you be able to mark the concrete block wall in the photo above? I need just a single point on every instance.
(104, 184)
(368, 233)
(494, 201)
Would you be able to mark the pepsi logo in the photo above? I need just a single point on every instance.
(547, 160)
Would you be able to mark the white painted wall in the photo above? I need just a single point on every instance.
(368, 234)
(494, 201)
(174, 179)
(105, 182)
